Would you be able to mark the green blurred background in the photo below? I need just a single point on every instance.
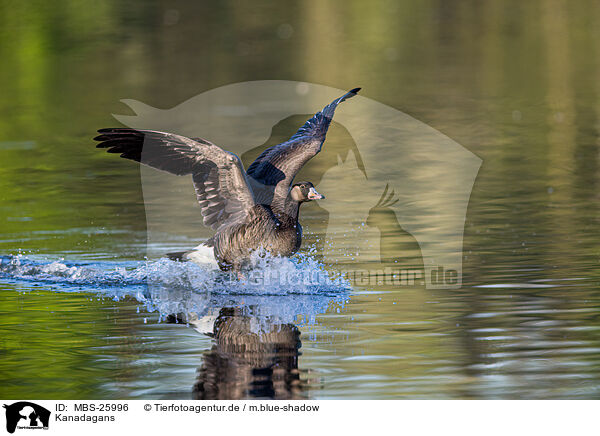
(516, 83)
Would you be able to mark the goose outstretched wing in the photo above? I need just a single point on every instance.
(277, 166)
(218, 175)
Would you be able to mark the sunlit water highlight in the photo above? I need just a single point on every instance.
(281, 288)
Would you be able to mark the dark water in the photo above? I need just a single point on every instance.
(515, 83)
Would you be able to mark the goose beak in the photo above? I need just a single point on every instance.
(314, 195)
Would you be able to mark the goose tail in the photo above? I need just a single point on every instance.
(202, 255)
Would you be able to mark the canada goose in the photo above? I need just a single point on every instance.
(249, 210)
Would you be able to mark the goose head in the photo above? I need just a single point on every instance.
(305, 191)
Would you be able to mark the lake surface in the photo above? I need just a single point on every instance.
(89, 310)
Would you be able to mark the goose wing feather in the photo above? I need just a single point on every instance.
(277, 166)
(219, 178)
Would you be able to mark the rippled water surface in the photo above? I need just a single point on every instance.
(89, 309)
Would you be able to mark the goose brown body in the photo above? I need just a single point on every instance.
(279, 235)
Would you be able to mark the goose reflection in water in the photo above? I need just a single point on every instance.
(251, 357)
(255, 329)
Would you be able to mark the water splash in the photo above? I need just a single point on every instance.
(285, 289)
